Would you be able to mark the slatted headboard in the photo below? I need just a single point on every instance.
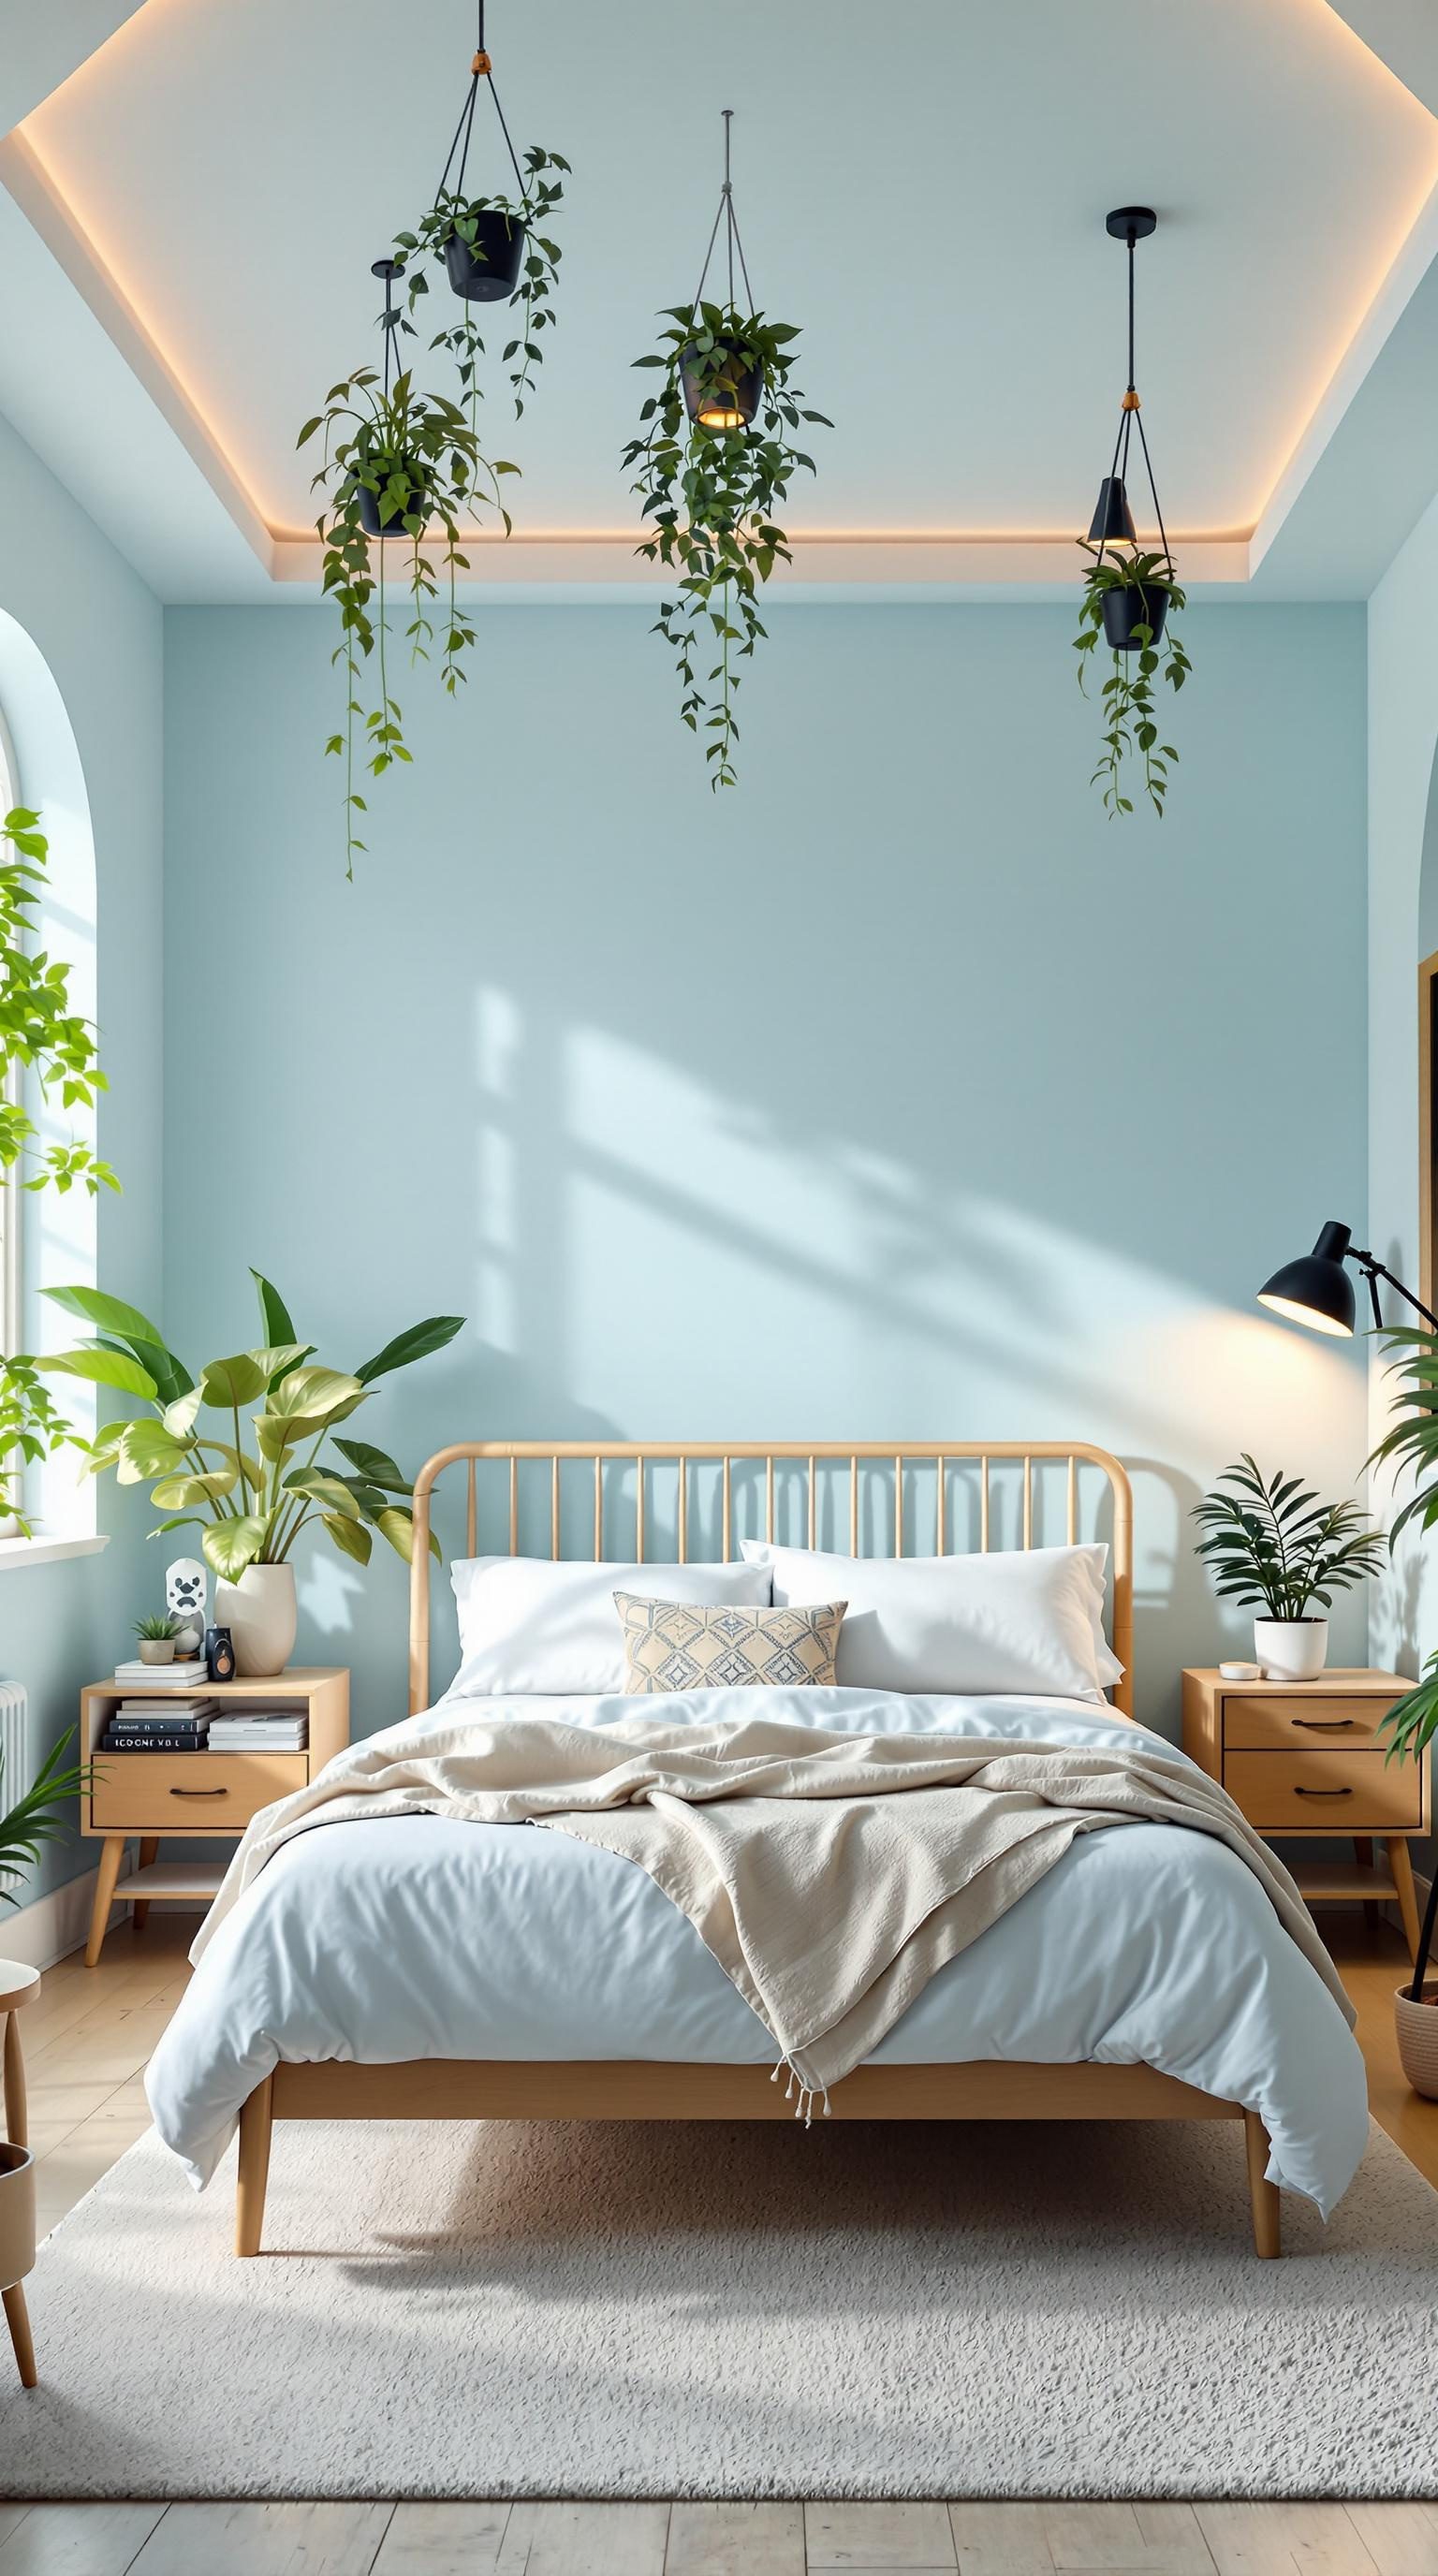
(845, 1495)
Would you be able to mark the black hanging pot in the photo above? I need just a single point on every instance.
(392, 524)
(731, 390)
(1135, 604)
(486, 271)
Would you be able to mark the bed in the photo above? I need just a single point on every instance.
(338, 1988)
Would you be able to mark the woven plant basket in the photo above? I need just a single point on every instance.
(1417, 2026)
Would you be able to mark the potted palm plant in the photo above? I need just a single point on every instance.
(36, 1818)
(252, 1497)
(1411, 1444)
(1271, 1543)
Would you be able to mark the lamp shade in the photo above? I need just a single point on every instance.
(1112, 521)
(1317, 1290)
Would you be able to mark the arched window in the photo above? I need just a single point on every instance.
(50, 1239)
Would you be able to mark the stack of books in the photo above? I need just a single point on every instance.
(155, 1726)
(164, 1677)
(261, 1730)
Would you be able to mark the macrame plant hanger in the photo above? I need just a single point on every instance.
(1113, 519)
(480, 69)
(730, 221)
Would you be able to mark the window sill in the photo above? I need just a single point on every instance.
(17, 1553)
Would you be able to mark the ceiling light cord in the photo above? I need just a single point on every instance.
(728, 218)
(480, 69)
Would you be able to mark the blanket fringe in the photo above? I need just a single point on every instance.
(808, 2094)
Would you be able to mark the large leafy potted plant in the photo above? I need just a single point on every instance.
(1410, 1445)
(1271, 1542)
(1131, 601)
(252, 1499)
(44, 1037)
(401, 465)
(715, 459)
(36, 1818)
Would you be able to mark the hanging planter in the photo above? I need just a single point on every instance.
(494, 249)
(715, 458)
(1131, 594)
(400, 467)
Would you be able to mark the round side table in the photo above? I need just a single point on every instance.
(18, 1986)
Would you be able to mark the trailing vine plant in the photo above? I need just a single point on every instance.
(1130, 713)
(1131, 598)
(42, 1035)
(715, 456)
(401, 465)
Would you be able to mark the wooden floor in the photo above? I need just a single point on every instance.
(87, 2040)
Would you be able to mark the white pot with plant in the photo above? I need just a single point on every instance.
(1272, 1545)
(255, 1490)
(35, 1819)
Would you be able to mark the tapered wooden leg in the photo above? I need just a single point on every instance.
(17, 2318)
(149, 1853)
(16, 2117)
(112, 1852)
(1401, 1863)
(1264, 2195)
(254, 2169)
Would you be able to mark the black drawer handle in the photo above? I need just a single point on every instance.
(199, 1793)
(1321, 1793)
(1325, 1725)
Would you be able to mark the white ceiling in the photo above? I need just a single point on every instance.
(923, 188)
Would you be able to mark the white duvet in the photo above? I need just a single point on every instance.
(423, 1937)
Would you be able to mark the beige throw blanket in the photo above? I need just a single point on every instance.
(831, 1875)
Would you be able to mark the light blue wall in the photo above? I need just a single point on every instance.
(100, 631)
(895, 1093)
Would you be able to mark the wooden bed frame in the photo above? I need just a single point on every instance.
(971, 1504)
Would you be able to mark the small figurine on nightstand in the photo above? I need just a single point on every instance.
(186, 1587)
(220, 1654)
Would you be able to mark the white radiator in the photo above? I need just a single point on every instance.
(14, 1778)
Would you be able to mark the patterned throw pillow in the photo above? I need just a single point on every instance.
(676, 1646)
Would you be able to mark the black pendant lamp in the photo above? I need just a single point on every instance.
(723, 389)
(1112, 524)
(486, 270)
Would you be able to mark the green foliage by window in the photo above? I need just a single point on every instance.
(43, 1037)
(531, 309)
(252, 1495)
(417, 456)
(1410, 1445)
(1272, 1545)
(712, 496)
(1130, 712)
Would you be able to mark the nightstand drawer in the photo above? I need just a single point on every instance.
(1302, 1725)
(170, 1793)
(1345, 1790)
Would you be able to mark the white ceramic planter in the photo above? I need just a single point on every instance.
(17, 2214)
(1417, 2027)
(259, 1612)
(1291, 1650)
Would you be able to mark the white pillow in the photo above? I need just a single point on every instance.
(1020, 1620)
(526, 1624)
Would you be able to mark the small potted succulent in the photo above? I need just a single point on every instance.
(156, 1632)
(35, 1819)
(1271, 1543)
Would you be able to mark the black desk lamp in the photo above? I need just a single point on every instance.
(1318, 1291)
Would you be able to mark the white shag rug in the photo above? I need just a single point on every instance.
(707, 2311)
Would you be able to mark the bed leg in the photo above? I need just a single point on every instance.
(255, 2118)
(1263, 2195)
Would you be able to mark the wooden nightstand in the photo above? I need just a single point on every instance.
(1305, 1761)
(206, 1796)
